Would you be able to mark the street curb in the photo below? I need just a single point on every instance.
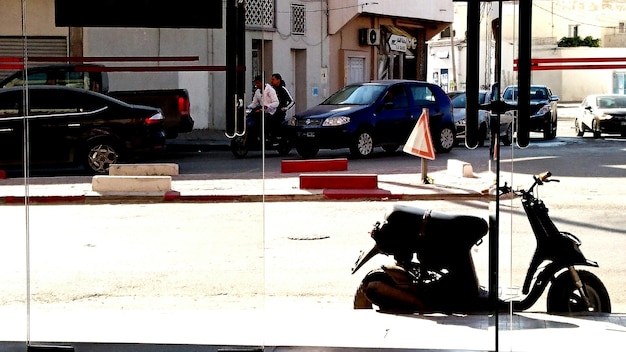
(324, 195)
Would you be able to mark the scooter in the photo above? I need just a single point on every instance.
(253, 139)
(434, 270)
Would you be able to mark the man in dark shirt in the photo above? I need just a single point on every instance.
(285, 102)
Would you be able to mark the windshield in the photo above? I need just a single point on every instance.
(536, 93)
(609, 102)
(458, 102)
(355, 95)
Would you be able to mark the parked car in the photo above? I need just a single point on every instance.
(602, 113)
(363, 116)
(543, 108)
(458, 103)
(174, 102)
(74, 126)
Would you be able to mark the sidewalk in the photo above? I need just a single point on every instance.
(208, 188)
(348, 329)
(215, 188)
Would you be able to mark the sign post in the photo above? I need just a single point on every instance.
(420, 143)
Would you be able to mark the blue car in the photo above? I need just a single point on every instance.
(363, 116)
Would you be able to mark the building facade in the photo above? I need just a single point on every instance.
(315, 45)
(552, 20)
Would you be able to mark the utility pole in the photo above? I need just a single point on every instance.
(453, 80)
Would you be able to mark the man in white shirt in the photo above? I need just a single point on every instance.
(264, 98)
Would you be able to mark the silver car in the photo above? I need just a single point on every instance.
(458, 103)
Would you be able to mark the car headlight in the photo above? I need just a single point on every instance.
(336, 121)
(605, 117)
(544, 110)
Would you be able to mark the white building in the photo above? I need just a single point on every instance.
(551, 21)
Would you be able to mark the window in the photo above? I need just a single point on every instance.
(298, 19)
(260, 13)
(446, 33)
(573, 30)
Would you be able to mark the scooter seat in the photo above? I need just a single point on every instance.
(413, 228)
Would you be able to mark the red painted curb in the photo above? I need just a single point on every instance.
(44, 199)
(171, 195)
(345, 181)
(340, 164)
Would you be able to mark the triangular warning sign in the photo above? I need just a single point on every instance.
(420, 143)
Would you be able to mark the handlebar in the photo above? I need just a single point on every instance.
(544, 177)
(540, 179)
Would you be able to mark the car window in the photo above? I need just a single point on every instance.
(458, 102)
(10, 104)
(611, 102)
(397, 96)
(510, 94)
(538, 93)
(60, 101)
(355, 95)
(483, 98)
(37, 78)
(422, 95)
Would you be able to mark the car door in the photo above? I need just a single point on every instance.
(393, 115)
(423, 97)
(11, 128)
(55, 125)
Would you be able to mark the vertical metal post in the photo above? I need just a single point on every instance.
(523, 73)
(235, 67)
(472, 76)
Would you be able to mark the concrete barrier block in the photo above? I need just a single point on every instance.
(143, 184)
(154, 169)
(460, 168)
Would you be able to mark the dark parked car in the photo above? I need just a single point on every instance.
(363, 116)
(458, 103)
(76, 127)
(602, 113)
(543, 108)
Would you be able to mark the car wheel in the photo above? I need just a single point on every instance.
(580, 129)
(390, 148)
(307, 151)
(596, 130)
(507, 138)
(445, 140)
(548, 130)
(362, 145)
(100, 156)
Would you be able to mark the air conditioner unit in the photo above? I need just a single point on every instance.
(369, 36)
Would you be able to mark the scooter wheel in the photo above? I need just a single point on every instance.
(563, 296)
(238, 147)
(360, 299)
